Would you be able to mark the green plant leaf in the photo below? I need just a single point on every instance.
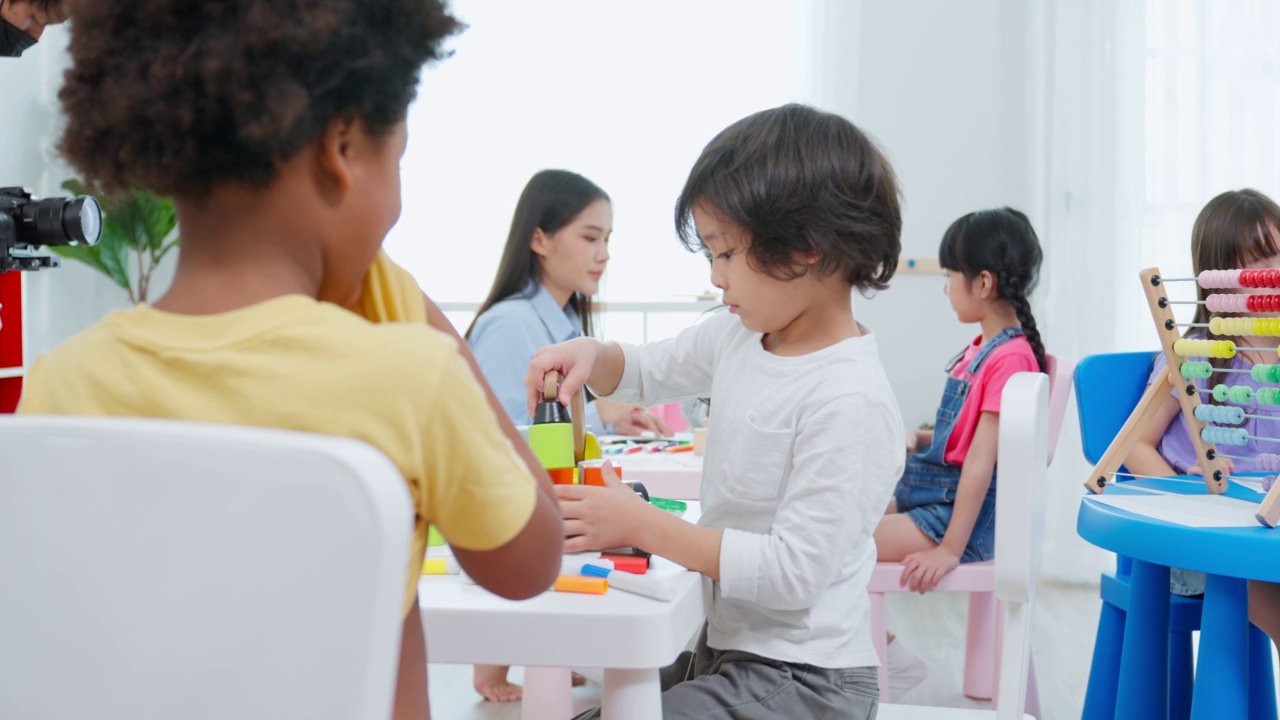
(157, 217)
(114, 248)
(165, 251)
(133, 223)
(75, 187)
(81, 253)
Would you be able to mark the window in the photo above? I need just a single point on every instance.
(626, 94)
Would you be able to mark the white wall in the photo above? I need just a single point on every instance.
(941, 87)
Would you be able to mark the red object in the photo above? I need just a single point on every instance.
(561, 476)
(11, 350)
(1267, 303)
(591, 474)
(628, 563)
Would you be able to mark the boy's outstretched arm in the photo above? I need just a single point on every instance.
(615, 516)
(523, 567)
(581, 361)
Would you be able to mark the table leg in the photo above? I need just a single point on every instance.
(1222, 668)
(631, 695)
(548, 693)
(1143, 690)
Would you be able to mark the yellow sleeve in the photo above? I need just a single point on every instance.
(476, 489)
(390, 294)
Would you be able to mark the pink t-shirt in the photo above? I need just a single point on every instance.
(1012, 357)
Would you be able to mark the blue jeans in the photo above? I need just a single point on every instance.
(927, 494)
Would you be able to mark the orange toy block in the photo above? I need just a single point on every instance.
(589, 585)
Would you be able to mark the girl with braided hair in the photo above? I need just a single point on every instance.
(943, 512)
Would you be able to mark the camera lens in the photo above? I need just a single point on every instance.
(59, 221)
(82, 220)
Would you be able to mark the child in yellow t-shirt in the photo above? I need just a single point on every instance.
(279, 135)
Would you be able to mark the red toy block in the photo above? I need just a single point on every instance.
(628, 563)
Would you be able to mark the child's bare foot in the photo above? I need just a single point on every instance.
(491, 682)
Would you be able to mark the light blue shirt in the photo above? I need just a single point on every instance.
(506, 337)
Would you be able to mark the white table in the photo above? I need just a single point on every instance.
(670, 475)
(630, 636)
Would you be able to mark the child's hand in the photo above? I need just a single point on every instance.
(922, 571)
(597, 518)
(913, 441)
(572, 359)
(1228, 462)
(628, 419)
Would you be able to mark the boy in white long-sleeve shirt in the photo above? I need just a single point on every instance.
(795, 208)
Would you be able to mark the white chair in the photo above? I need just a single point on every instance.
(1020, 510)
(982, 657)
(160, 569)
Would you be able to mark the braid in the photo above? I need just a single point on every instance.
(1023, 308)
(1014, 295)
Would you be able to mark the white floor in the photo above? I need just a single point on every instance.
(932, 625)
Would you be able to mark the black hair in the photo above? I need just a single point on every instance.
(177, 96)
(549, 202)
(800, 180)
(1003, 243)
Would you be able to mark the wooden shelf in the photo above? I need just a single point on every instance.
(919, 266)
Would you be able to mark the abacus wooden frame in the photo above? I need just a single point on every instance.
(1189, 398)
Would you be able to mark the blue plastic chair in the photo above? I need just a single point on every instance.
(1108, 388)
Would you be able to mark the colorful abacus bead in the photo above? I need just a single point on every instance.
(1267, 462)
(1262, 278)
(1225, 303)
(1199, 370)
(1219, 279)
(1225, 436)
(1260, 373)
(1239, 394)
(1221, 414)
(1204, 348)
(1268, 396)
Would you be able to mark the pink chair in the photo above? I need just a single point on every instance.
(1020, 508)
(982, 649)
(672, 415)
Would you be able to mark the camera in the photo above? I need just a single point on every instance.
(27, 223)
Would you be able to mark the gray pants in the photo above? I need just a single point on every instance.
(737, 685)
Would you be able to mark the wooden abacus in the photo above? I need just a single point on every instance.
(1180, 374)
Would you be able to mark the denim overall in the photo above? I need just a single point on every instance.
(927, 490)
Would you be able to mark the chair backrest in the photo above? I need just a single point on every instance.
(1020, 513)
(159, 569)
(1108, 388)
(1059, 372)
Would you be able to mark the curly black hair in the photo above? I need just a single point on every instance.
(800, 180)
(179, 96)
(49, 6)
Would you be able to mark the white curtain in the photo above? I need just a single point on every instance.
(1089, 166)
(1149, 109)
